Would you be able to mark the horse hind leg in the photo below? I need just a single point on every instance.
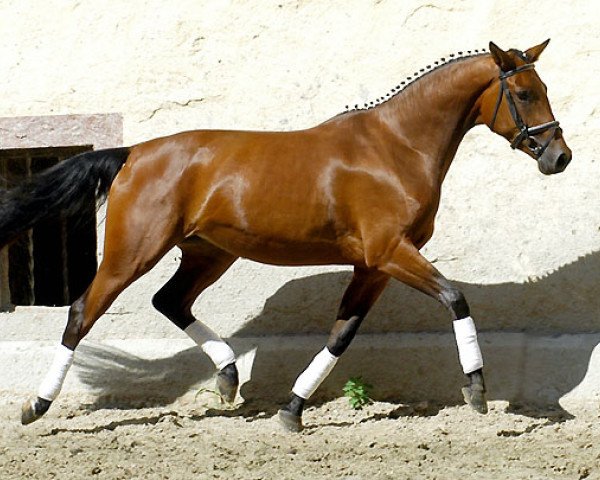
(361, 294)
(50, 387)
(128, 254)
(202, 264)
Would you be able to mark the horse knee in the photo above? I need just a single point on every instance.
(454, 300)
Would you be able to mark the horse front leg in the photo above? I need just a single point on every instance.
(363, 291)
(406, 264)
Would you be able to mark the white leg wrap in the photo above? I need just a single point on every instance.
(53, 381)
(310, 379)
(468, 348)
(218, 351)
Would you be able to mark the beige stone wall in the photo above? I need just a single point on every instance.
(167, 67)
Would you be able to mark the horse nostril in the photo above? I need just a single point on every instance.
(562, 161)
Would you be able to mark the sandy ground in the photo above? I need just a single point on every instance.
(384, 440)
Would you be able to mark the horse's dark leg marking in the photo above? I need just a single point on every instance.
(410, 267)
(74, 322)
(202, 264)
(454, 300)
(363, 291)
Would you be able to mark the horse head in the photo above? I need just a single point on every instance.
(516, 107)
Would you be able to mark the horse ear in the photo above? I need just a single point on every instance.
(534, 52)
(502, 58)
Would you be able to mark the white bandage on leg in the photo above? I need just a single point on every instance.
(53, 381)
(310, 379)
(468, 348)
(218, 351)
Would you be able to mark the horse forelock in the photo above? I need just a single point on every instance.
(520, 54)
(418, 75)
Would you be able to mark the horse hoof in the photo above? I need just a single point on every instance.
(475, 397)
(33, 409)
(227, 382)
(289, 421)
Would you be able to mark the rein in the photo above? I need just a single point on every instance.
(525, 132)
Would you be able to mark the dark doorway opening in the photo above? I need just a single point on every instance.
(53, 263)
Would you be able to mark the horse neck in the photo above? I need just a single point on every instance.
(433, 114)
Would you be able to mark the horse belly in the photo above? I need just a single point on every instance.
(280, 250)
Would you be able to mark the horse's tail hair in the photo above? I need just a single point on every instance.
(64, 189)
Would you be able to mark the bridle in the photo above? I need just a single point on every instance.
(525, 132)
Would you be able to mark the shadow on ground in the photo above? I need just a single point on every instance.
(563, 302)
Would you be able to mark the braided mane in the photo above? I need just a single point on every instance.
(418, 75)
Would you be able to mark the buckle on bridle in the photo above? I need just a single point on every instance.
(525, 132)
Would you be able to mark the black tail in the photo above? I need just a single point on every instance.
(66, 187)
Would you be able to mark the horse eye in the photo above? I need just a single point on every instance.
(524, 95)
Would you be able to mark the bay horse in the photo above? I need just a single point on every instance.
(360, 189)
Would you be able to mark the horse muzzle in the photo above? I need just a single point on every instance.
(555, 158)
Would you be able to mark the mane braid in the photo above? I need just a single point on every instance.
(418, 75)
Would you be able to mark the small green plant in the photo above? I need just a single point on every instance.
(357, 392)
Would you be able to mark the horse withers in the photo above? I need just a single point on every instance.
(360, 189)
